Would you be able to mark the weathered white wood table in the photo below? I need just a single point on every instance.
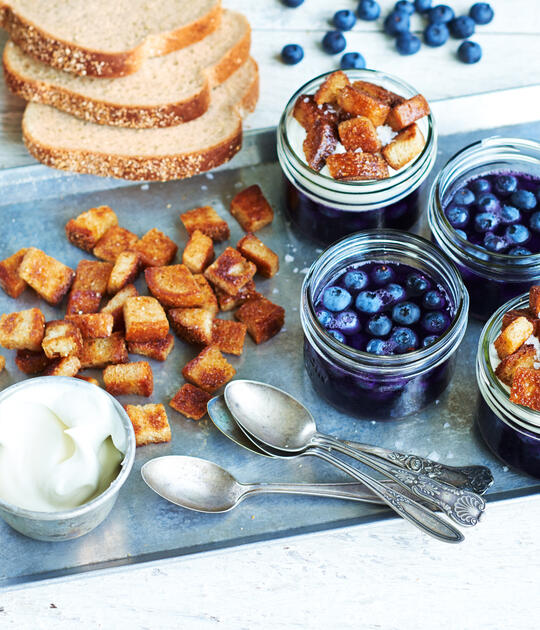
(381, 576)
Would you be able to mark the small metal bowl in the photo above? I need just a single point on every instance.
(67, 524)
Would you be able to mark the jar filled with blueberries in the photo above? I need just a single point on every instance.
(484, 213)
(383, 313)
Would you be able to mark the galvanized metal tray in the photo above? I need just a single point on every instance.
(35, 204)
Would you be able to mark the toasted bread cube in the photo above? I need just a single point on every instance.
(173, 286)
(523, 357)
(526, 388)
(230, 271)
(513, 336)
(31, 362)
(88, 287)
(93, 325)
(193, 325)
(359, 133)
(206, 220)
(361, 104)
(357, 166)
(22, 330)
(156, 249)
(125, 270)
(190, 401)
(209, 370)
(306, 111)
(209, 301)
(97, 353)
(129, 378)
(10, 281)
(66, 366)
(50, 278)
(145, 319)
(158, 350)
(251, 209)
(229, 336)
(331, 87)
(263, 318)
(378, 93)
(115, 306)
(513, 314)
(404, 147)
(229, 302)
(2, 363)
(320, 142)
(266, 261)
(115, 241)
(88, 379)
(534, 301)
(199, 252)
(85, 230)
(62, 339)
(150, 423)
(408, 112)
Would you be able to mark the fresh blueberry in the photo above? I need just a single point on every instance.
(517, 234)
(509, 214)
(396, 22)
(292, 3)
(494, 243)
(382, 274)
(480, 185)
(406, 313)
(534, 222)
(429, 340)
(487, 203)
(519, 251)
(505, 185)
(464, 197)
(352, 61)
(355, 280)
(436, 35)
(442, 13)
(344, 20)
(337, 335)
(405, 6)
(407, 43)
(481, 13)
(325, 318)
(368, 10)
(469, 52)
(433, 300)
(461, 27)
(523, 199)
(334, 42)
(369, 302)
(405, 340)
(435, 322)
(416, 283)
(457, 216)
(377, 346)
(347, 322)
(422, 5)
(396, 291)
(485, 222)
(291, 54)
(462, 234)
(379, 325)
(336, 299)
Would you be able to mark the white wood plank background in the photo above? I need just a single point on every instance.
(384, 576)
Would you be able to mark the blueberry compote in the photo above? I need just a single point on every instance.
(384, 308)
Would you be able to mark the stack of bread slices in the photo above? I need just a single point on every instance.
(135, 89)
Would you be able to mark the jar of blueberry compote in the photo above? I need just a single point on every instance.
(383, 313)
(484, 213)
(510, 430)
(326, 209)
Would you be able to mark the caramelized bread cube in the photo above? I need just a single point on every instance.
(263, 318)
(266, 261)
(228, 302)
(85, 230)
(534, 301)
(10, 281)
(331, 87)
(158, 350)
(306, 111)
(173, 286)
(50, 278)
(88, 287)
(193, 325)
(145, 319)
(359, 133)
(378, 93)
(361, 104)
(523, 357)
(357, 166)
(97, 353)
(526, 388)
(115, 306)
(22, 330)
(156, 249)
(320, 142)
(190, 401)
(209, 301)
(408, 112)
(513, 336)
(125, 270)
(129, 378)
(66, 366)
(199, 252)
(150, 423)
(88, 379)
(31, 362)
(206, 220)
(251, 209)
(2, 363)
(62, 339)
(229, 336)
(115, 241)
(230, 271)
(209, 370)
(513, 314)
(404, 147)
(93, 325)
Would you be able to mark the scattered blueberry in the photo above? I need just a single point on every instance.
(416, 283)
(368, 10)
(396, 22)
(517, 234)
(396, 291)
(382, 274)
(422, 6)
(436, 35)
(523, 199)
(519, 251)
(481, 13)
(485, 222)
(469, 52)
(405, 340)
(379, 325)
(355, 280)
(535, 222)
(435, 322)
(336, 299)
(441, 13)
(406, 313)
(407, 43)
(337, 335)
(292, 3)
(344, 20)
(433, 300)
(334, 42)
(405, 6)
(461, 27)
(505, 185)
(480, 185)
(347, 322)
(325, 318)
(488, 203)
(462, 234)
(352, 61)
(377, 346)
(369, 302)
(429, 340)
(292, 54)
(509, 214)
(494, 243)
(457, 216)
(464, 197)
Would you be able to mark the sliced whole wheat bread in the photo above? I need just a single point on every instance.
(167, 90)
(106, 38)
(65, 142)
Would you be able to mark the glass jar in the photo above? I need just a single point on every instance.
(490, 278)
(327, 209)
(510, 430)
(363, 384)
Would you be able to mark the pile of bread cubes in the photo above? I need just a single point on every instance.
(185, 297)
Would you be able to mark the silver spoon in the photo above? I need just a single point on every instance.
(201, 485)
